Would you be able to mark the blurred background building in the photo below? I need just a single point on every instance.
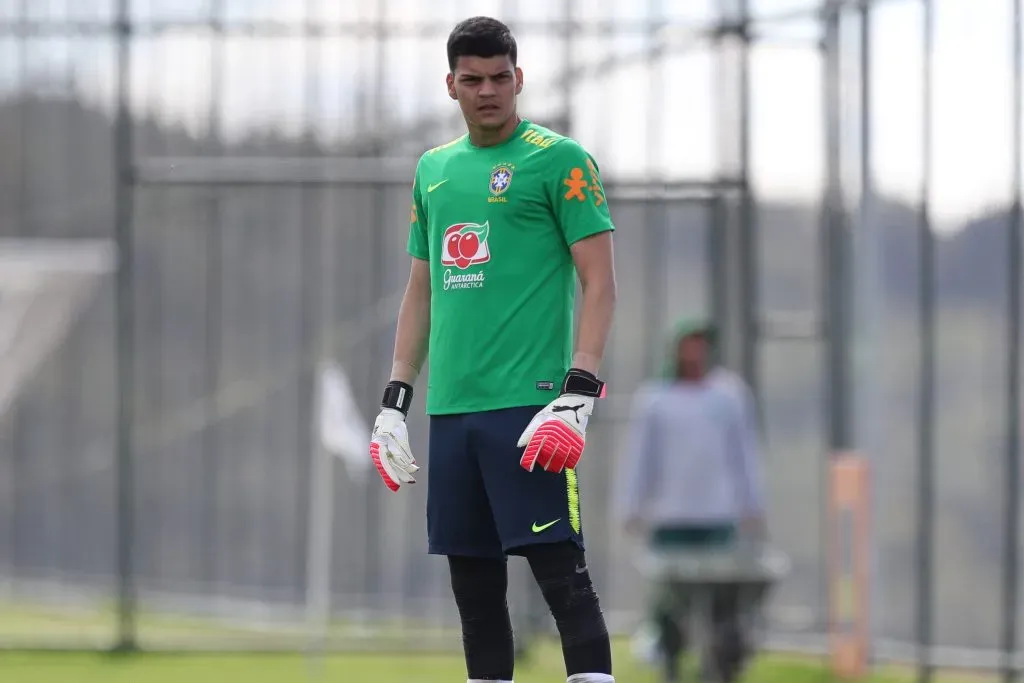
(837, 183)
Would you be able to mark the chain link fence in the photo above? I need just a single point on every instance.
(786, 176)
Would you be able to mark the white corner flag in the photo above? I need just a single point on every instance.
(343, 431)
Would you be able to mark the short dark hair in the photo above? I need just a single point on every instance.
(480, 37)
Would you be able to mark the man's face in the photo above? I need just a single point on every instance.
(486, 90)
(693, 356)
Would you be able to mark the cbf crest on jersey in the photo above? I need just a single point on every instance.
(501, 178)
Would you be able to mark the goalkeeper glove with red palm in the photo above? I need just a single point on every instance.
(389, 443)
(556, 436)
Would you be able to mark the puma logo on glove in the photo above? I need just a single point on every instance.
(556, 436)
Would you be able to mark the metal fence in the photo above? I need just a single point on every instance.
(782, 166)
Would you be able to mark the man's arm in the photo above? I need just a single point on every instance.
(595, 265)
(411, 338)
(748, 462)
(556, 436)
(638, 465)
(581, 208)
(389, 444)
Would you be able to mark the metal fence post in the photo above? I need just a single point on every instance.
(748, 257)
(125, 344)
(926, 381)
(1011, 543)
(836, 243)
(737, 306)
(836, 239)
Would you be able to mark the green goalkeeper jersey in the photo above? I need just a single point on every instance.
(495, 224)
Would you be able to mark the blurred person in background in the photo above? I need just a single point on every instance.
(503, 221)
(691, 481)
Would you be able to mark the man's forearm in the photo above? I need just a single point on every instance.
(411, 338)
(595, 323)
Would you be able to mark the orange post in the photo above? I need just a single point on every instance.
(849, 556)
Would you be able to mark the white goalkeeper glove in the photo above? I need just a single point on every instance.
(389, 443)
(556, 436)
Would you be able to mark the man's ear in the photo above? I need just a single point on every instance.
(519, 80)
(450, 81)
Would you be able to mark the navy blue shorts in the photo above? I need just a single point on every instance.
(480, 502)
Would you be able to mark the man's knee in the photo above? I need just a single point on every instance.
(561, 573)
(480, 586)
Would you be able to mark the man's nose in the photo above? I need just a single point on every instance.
(487, 88)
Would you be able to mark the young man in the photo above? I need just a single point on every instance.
(503, 219)
(692, 478)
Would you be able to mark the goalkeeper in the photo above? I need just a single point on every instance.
(503, 219)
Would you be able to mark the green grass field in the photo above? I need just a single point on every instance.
(32, 626)
(544, 667)
(151, 668)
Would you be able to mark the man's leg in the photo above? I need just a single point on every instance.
(460, 525)
(537, 515)
(671, 636)
(480, 585)
(561, 572)
(729, 646)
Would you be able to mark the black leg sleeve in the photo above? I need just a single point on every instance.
(561, 572)
(480, 586)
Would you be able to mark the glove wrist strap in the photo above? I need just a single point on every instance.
(397, 395)
(583, 383)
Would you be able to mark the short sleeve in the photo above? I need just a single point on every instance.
(578, 197)
(419, 244)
